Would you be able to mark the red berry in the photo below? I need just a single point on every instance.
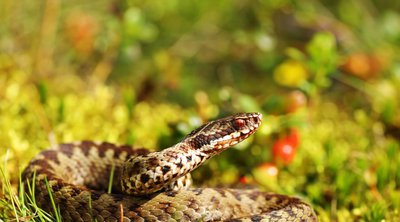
(244, 180)
(283, 151)
(295, 100)
(363, 65)
(293, 137)
(81, 30)
(269, 169)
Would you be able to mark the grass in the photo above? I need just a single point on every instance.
(111, 179)
(56, 208)
(19, 205)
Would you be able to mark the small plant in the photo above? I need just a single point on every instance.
(21, 205)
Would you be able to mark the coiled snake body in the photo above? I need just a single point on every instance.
(154, 186)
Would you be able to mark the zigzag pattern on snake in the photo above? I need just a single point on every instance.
(154, 186)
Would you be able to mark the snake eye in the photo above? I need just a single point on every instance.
(239, 123)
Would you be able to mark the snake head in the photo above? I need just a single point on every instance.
(149, 173)
(221, 134)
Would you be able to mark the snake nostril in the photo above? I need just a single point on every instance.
(256, 119)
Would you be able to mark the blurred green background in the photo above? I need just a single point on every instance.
(325, 75)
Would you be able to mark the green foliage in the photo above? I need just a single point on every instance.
(323, 57)
(146, 73)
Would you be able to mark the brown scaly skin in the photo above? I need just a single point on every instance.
(155, 186)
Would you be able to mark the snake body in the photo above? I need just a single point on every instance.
(153, 186)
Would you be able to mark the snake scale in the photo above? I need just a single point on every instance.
(154, 186)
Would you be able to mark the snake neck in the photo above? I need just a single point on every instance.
(155, 171)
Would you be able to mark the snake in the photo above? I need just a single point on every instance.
(101, 181)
